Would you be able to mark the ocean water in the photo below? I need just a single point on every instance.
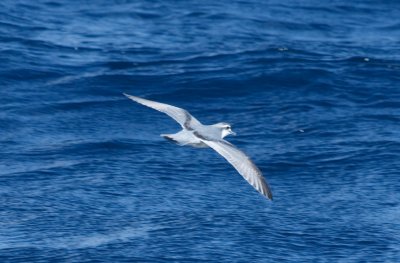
(311, 87)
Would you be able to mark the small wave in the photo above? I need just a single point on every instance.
(79, 241)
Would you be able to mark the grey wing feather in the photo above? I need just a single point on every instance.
(242, 164)
(182, 116)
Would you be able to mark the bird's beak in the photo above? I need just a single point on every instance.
(232, 132)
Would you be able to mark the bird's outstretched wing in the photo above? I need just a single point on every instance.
(182, 116)
(242, 164)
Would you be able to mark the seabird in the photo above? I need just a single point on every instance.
(195, 134)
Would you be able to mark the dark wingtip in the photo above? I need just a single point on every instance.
(266, 190)
(270, 196)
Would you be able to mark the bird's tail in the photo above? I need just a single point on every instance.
(169, 138)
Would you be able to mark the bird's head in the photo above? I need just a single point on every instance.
(225, 129)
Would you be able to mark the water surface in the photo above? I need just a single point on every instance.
(311, 88)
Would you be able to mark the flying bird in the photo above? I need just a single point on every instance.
(197, 135)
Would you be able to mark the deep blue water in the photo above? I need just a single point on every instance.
(311, 87)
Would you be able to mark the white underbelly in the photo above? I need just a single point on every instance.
(185, 138)
(198, 145)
